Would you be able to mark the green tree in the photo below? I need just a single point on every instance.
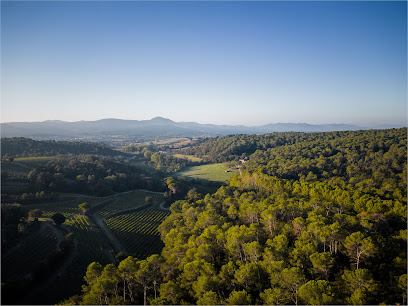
(127, 269)
(34, 214)
(84, 207)
(238, 298)
(193, 195)
(278, 247)
(171, 291)
(58, 218)
(322, 264)
(402, 287)
(109, 282)
(291, 280)
(252, 251)
(209, 298)
(359, 248)
(250, 276)
(143, 277)
(93, 272)
(274, 296)
(226, 275)
(360, 285)
(316, 293)
(154, 264)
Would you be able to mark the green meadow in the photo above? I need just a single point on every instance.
(211, 172)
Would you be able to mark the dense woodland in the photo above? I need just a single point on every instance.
(25, 147)
(314, 218)
(87, 174)
(154, 157)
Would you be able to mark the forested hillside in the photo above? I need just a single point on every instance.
(85, 174)
(26, 147)
(311, 219)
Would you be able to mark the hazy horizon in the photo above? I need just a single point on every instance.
(181, 121)
(224, 63)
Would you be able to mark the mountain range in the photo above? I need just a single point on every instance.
(156, 127)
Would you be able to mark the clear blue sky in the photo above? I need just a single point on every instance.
(246, 63)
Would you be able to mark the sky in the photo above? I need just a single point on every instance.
(249, 63)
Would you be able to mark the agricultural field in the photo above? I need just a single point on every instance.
(166, 141)
(91, 245)
(17, 263)
(175, 143)
(138, 231)
(211, 172)
(130, 200)
(68, 208)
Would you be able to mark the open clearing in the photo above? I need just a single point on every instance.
(34, 158)
(211, 172)
(166, 141)
(189, 157)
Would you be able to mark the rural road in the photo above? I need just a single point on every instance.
(107, 233)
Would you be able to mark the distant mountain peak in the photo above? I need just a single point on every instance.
(158, 126)
(161, 119)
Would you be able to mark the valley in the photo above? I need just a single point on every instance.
(222, 220)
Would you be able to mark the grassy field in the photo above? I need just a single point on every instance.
(211, 172)
(173, 142)
(167, 141)
(35, 158)
(189, 157)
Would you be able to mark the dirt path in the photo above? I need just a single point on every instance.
(162, 206)
(107, 233)
(95, 208)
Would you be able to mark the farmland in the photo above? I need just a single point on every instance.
(130, 200)
(172, 142)
(211, 172)
(16, 264)
(136, 231)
